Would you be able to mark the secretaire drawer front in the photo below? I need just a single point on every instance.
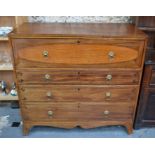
(78, 93)
(89, 76)
(75, 54)
(105, 112)
(49, 112)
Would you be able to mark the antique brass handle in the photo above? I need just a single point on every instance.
(48, 94)
(108, 94)
(47, 76)
(45, 53)
(50, 113)
(109, 77)
(106, 112)
(111, 54)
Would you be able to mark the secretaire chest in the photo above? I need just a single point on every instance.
(85, 75)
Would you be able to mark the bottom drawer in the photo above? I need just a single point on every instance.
(77, 111)
(119, 111)
(50, 111)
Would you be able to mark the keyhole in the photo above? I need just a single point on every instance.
(78, 75)
(78, 41)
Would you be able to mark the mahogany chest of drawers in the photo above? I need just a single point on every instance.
(85, 75)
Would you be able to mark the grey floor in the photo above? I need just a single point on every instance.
(9, 115)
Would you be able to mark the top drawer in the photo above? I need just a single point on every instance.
(48, 54)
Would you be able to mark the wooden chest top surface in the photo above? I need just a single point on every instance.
(117, 30)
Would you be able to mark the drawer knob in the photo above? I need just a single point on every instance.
(48, 94)
(50, 113)
(106, 112)
(47, 76)
(45, 53)
(108, 94)
(111, 54)
(109, 77)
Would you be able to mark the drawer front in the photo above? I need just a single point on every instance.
(152, 80)
(46, 53)
(150, 56)
(47, 112)
(150, 53)
(75, 111)
(149, 76)
(146, 109)
(105, 112)
(151, 39)
(149, 104)
(47, 76)
(88, 76)
(78, 93)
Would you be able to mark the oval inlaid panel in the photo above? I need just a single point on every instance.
(78, 54)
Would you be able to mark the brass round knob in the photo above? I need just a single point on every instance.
(111, 54)
(106, 112)
(108, 94)
(48, 94)
(45, 53)
(47, 76)
(50, 113)
(109, 77)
